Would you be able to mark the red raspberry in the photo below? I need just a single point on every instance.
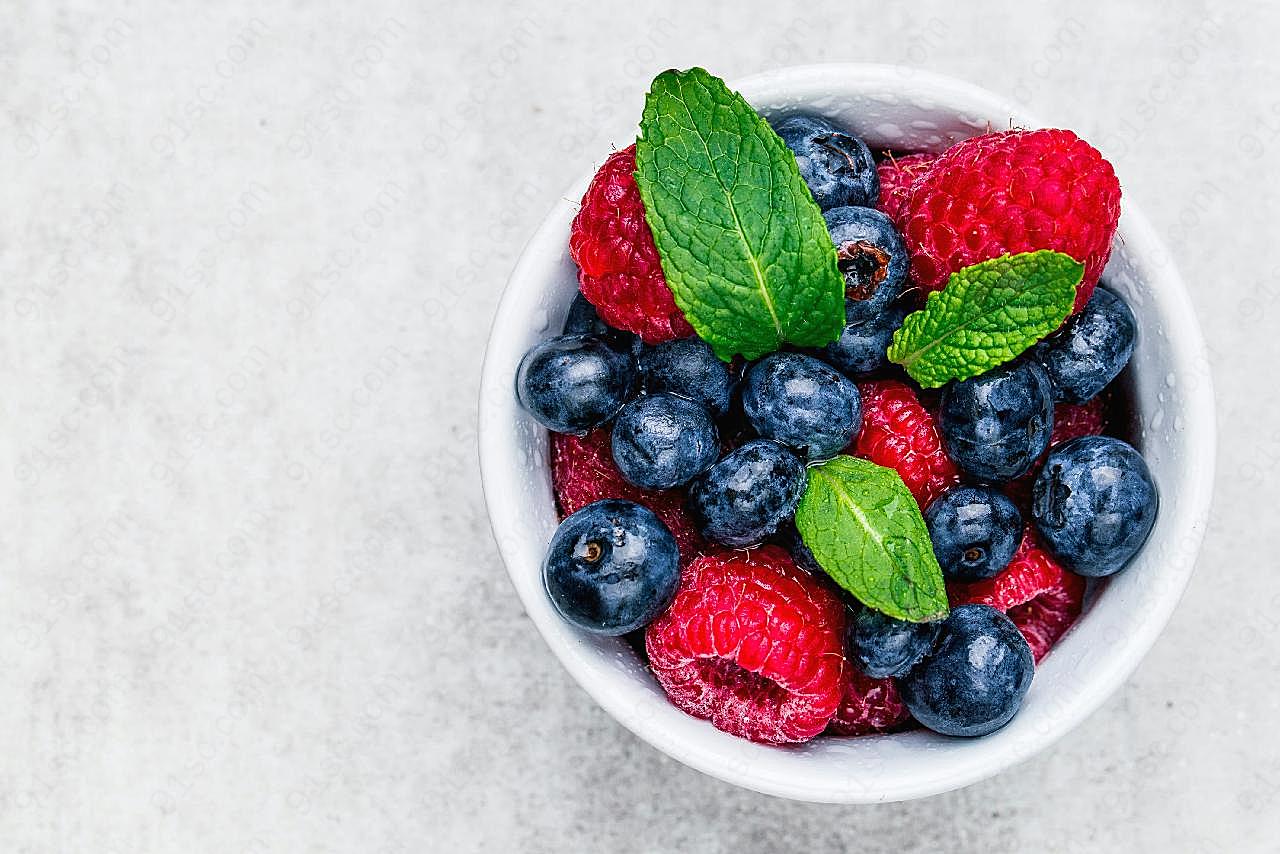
(753, 644)
(618, 267)
(1041, 597)
(1070, 421)
(896, 177)
(868, 705)
(582, 471)
(898, 432)
(1008, 192)
(1073, 420)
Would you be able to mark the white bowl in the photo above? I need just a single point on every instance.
(905, 109)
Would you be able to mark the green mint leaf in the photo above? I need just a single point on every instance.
(987, 315)
(743, 245)
(865, 530)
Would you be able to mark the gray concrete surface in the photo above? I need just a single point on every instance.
(248, 252)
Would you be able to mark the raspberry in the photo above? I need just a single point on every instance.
(1070, 421)
(1073, 420)
(618, 267)
(1041, 597)
(752, 644)
(583, 471)
(898, 432)
(897, 174)
(868, 705)
(1008, 192)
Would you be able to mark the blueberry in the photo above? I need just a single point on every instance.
(995, 426)
(975, 531)
(573, 383)
(837, 166)
(661, 441)
(881, 646)
(689, 368)
(789, 538)
(861, 349)
(1089, 351)
(612, 567)
(802, 403)
(1093, 504)
(973, 680)
(743, 499)
(872, 258)
(582, 319)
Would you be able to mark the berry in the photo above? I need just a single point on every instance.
(689, 368)
(871, 256)
(973, 681)
(1094, 504)
(1038, 595)
(862, 346)
(582, 319)
(802, 403)
(612, 567)
(868, 705)
(1070, 421)
(1009, 192)
(573, 383)
(1091, 348)
(741, 500)
(881, 646)
(582, 471)
(661, 441)
(1073, 420)
(996, 425)
(752, 644)
(618, 266)
(897, 174)
(975, 531)
(898, 432)
(837, 166)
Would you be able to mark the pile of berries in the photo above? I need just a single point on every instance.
(678, 474)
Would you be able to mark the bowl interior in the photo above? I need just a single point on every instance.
(903, 109)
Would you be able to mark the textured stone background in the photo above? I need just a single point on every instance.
(248, 256)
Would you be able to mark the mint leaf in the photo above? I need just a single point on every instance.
(987, 315)
(743, 245)
(865, 530)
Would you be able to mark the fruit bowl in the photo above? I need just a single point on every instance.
(1171, 402)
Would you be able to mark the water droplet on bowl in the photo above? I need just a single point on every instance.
(888, 131)
(1170, 379)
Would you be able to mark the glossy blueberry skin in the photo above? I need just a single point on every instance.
(974, 679)
(612, 567)
(583, 319)
(803, 403)
(995, 426)
(975, 531)
(689, 368)
(1087, 353)
(660, 441)
(881, 646)
(872, 258)
(861, 349)
(574, 383)
(838, 167)
(1094, 504)
(741, 500)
